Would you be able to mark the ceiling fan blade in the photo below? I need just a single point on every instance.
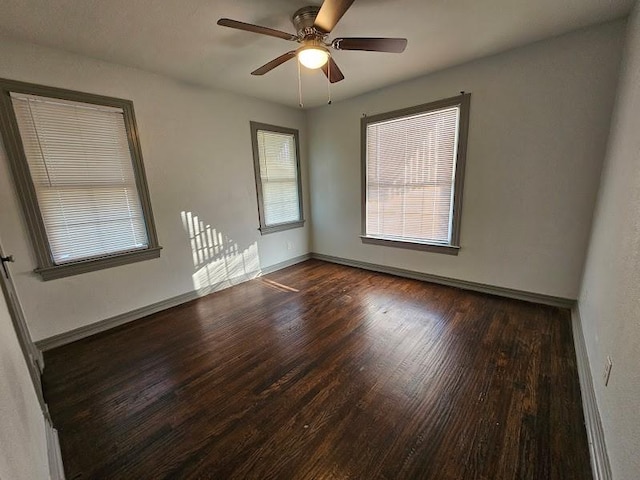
(267, 67)
(332, 71)
(249, 27)
(330, 13)
(391, 45)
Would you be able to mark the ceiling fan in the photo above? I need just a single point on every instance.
(313, 25)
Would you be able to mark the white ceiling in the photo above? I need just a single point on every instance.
(180, 38)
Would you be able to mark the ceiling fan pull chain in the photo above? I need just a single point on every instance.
(329, 81)
(300, 104)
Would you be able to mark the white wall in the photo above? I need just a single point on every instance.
(538, 129)
(610, 297)
(23, 446)
(196, 146)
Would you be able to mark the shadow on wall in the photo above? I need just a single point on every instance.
(218, 261)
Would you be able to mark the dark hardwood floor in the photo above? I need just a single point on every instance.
(321, 371)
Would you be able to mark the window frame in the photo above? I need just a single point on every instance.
(19, 166)
(463, 101)
(264, 228)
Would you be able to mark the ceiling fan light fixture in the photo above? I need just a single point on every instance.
(313, 26)
(313, 56)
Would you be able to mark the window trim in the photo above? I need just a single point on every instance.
(266, 229)
(463, 101)
(47, 268)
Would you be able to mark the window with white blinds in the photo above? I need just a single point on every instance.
(277, 177)
(81, 169)
(412, 161)
(84, 180)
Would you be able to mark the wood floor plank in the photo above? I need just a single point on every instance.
(321, 371)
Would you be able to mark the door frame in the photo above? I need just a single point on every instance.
(32, 355)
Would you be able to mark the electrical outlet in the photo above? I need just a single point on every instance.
(607, 371)
(289, 245)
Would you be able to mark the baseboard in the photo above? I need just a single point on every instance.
(452, 282)
(56, 469)
(285, 264)
(112, 322)
(595, 434)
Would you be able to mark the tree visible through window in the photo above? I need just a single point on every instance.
(414, 167)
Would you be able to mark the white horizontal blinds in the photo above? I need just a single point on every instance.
(410, 176)
(279, 177)
(81, 168)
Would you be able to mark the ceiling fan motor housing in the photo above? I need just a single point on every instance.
(303, 21)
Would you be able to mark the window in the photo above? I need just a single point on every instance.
(77, 164)
(413, 171)
(276, 158)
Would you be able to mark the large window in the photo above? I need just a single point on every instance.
(78, 168)
(276, 158)
(413, 175)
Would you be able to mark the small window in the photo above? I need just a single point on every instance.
(276, 158)
(413, 175)
(78, 167)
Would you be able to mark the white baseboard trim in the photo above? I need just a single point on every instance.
(597, 446)
(56, 469)
(112, 322)
(452, 282)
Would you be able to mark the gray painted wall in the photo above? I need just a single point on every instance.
(610, 297)
(196, 145)
(540, 117)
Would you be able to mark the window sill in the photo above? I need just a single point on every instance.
(281, 227)
(425, 247)
(89, 265)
